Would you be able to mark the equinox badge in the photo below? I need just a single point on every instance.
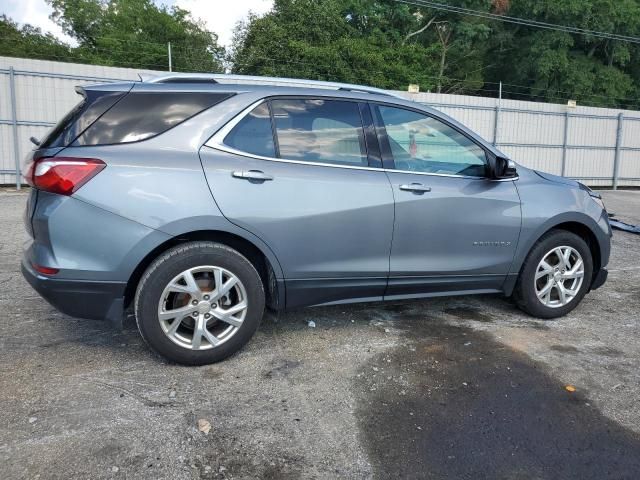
(491, 244)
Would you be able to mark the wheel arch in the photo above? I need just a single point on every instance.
(589, 236)
(262, 259)
(578, 224)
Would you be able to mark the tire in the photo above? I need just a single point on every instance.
(174, 283)
(528, 287)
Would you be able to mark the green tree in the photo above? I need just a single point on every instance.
(333, 40)
(29, 42)
(555, 66)
(382, 43)
(122, 33)
(460, 45)
(135, 33)
(390, 44)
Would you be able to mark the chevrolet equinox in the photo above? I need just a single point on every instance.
(197, 201)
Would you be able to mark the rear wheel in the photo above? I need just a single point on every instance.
(555, 276)
(199, 302)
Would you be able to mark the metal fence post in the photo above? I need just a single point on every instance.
(616, 160)
(496, 119)
(14, 124)
(564, 144)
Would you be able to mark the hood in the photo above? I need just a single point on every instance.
(557, 179)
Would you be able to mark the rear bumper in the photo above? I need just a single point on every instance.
(599, 279)
(79, 298)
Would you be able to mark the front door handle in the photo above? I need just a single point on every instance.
(415, 187)
(256, 175)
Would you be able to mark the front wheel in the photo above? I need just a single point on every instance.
(555, 276)
(199, 302)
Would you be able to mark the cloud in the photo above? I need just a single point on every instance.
(34, 12)
(221, 16)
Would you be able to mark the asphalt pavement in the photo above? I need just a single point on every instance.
(450, 388)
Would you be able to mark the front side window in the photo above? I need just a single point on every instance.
(420, 143)
(319, 130)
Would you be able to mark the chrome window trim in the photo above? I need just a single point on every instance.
(216, 142)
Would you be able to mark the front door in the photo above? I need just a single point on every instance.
(455, 229)
(306, 189)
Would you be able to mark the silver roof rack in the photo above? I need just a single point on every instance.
(222, 78)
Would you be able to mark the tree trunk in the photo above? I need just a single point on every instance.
(443, 63)
(444, 34)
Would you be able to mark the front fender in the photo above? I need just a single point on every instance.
(531, 236)
(548, 204)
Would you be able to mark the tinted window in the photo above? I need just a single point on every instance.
(94, 104)
(141, 115)
(327, 131)
(253, 134)
(421, 143)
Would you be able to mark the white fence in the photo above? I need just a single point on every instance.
(599, 146)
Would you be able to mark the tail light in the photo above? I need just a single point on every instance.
(45, 270)
(62, 175)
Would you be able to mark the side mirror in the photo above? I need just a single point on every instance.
(504, 168)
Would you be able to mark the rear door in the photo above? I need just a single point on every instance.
(455, 228)
(296, 172)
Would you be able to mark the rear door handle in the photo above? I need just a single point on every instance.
(415, 187)
(252, 175)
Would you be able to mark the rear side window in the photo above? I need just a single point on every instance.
(94, 104)
(319, 130)
(142, 115)
(253, 133)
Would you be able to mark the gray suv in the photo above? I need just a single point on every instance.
(195, 201)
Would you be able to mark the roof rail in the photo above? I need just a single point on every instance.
(222, 78)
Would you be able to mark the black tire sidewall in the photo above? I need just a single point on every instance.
(526, 297)
(172, 263)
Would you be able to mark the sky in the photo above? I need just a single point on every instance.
(220, 16)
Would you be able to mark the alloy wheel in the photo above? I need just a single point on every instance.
(202, 307)
(559, 276)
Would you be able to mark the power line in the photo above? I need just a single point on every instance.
(91, 61)
(274, 62)
(322, 68)
(360, 74)
(128, 40)
(520, 21)
(143, 58)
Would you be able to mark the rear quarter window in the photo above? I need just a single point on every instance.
(93, 104)
(253, 134)
(142, 115)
